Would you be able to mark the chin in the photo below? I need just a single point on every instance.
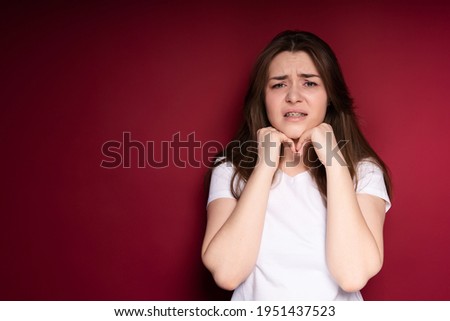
(292, 132)
(294, 135)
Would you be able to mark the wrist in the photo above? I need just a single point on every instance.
(264, 168)
(336, 167)
(335, 160)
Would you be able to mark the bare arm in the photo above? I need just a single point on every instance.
(354, 236)
(354, 231)
(234, 228)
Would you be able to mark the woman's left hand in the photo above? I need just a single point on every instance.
(324, 142)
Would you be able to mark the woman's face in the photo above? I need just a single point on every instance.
(296, 99)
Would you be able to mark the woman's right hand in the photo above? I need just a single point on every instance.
(270, 141)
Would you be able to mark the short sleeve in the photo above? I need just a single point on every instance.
(220, 182)
(371, 181)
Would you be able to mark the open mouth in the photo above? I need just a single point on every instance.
(295, 114)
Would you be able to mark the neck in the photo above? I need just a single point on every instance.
(291, 163)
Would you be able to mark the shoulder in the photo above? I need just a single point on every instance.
(222, 167)
(220, 184)
(367, 166)
(370, 180)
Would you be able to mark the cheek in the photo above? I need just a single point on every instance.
(321, 115)
(271, 106)
(324, 110)
(322, 106)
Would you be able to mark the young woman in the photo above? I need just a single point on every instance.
(297, 201)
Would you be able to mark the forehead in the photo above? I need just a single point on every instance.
(287, 61)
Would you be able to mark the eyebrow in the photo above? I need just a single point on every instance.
(283, 77)
(309, 75)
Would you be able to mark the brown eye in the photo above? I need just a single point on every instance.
(310, 84)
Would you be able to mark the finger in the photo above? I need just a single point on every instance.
(279, 136)
(263, 132)
(303, 140)
(301, 149)
(289, 142)
(283, 139)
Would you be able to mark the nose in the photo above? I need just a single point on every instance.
(293, 95)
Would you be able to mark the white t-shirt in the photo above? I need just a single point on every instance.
(291, 263)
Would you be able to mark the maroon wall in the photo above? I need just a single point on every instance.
(75, 77)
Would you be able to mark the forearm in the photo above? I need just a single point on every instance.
(232, 252)
(353, 254)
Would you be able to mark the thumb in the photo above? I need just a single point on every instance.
(304, 139)
(289, 142)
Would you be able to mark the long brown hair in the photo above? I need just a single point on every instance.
(340, 113)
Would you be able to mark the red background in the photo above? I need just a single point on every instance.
(76, 76)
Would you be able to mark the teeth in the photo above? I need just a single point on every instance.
(292, 114)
